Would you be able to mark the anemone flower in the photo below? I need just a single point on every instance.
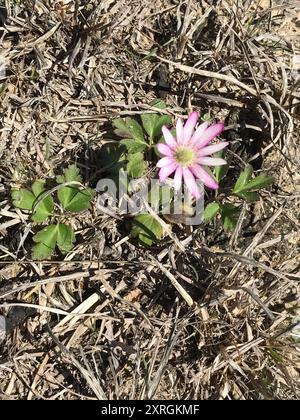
(188, 153)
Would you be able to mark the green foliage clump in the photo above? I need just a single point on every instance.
(71, 195)
(245, 188)
(139, 137)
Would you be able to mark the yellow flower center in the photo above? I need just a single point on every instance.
(184, 156)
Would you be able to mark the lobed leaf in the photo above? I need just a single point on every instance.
(134, 146)
(153, 123)
(146, 229)
(245, 187)
(74, 200)
(207, 117)
(261, 181)
(65, 238)
(211, 210)
(229, 214)
(26, 200)
(71, 174)
(23, 198)
(136, 166)
(45, 242)
(44, 206)
(158, 103)
(243, 179)
(51, 236)
(71, 197)
(128, 128)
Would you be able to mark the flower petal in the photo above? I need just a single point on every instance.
(198, 133)
(190, 182)
(189, 126)
(164, 149)
(179, 131)
(168, 137)
(165, 161)
(209, 150)
(178, 178)
(210, 161)
(166, 171)
(210, 133)
(207, 180)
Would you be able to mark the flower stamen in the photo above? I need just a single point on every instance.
(184, 156)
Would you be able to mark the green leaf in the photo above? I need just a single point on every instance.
(261, 181)
(43, 210)
(134, 146)
(45, 242)
(211, 211)
(129, 129)
(229, 214)
(112, 158)
(120, 124)
(243, 179)
(44, 207)
(71, 173)
(153, 123)
(51, 236)
(71, 197)
(23, 198)
(158, 103)
(65, 238)
(38, 187)
(274, 354)
(245, 186)
(249, 196)
(166, 194)
(220, 171)
(47, 236)
(146, 229)
(74, 200)
(162, 120)
(26, 200)
(136, 166)
(149, 123)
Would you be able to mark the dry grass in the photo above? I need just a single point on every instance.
(107, 322)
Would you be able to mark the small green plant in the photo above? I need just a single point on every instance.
(134, 154)
(187, 152)
(139, 138)
(245, 188)
(71, 196)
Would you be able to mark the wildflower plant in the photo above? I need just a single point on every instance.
(188, 155)
(187, 158)
(71, 197)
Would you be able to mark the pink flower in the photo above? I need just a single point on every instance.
(189, 152)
